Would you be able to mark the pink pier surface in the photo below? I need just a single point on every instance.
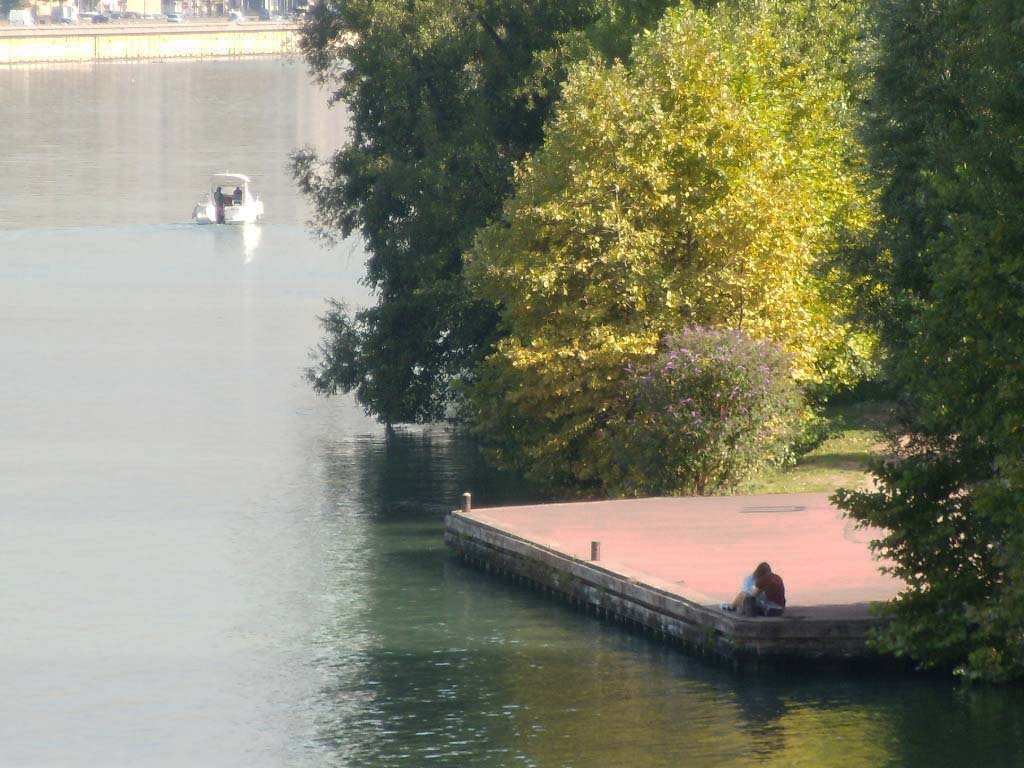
(701, 548)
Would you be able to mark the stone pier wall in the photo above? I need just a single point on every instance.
(19, 45)
(835, 641)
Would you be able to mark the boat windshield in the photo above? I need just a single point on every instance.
(232, 193)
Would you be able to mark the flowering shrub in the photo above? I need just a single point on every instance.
(712, 409)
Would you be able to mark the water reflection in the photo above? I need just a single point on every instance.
(251, 234)
(244, 239)
(420, 671)
(456, 668)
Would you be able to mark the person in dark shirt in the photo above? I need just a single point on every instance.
(764, 594)
(236, 196)
(218, 202)
(771, 592)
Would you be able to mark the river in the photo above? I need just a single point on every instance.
(205, 564)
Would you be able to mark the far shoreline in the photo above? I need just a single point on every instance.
(77, 43)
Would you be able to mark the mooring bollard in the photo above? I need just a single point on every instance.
(467, 501)
(595, 550)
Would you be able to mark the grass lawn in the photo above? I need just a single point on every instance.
(840, 462)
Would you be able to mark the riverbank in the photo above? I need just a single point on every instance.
(667, 564)
(111, 42)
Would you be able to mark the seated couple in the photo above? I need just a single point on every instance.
(763, 594)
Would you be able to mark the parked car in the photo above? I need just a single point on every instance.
(175, 17)
(64, 14)
(21, 18)
(100, 18)
(234, 15)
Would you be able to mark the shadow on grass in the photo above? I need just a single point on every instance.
(856, 436)
(836, 460)
(871, 415)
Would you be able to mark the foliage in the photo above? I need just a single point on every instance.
(444, 96)
(701, 185)
(711, 410)
(957, 551)
(945, 137)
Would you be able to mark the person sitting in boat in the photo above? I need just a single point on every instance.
(763, 594)
(218, 202)
(236, 196)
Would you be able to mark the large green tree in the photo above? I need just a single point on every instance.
(946, 139)
(444, 95)
(702, 184)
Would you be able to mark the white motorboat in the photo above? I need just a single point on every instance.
(229, 201)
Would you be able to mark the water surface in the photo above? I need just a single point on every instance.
(204, 564)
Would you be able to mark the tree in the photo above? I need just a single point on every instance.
(945, 138)
(445, 96)
(701, 184)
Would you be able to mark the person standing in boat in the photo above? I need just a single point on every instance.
(218, 202)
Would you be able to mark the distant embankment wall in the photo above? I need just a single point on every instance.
(53, 44)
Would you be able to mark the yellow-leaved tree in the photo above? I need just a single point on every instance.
(701, 184)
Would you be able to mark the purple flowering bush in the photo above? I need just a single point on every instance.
(714, 408)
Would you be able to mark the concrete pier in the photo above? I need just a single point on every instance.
(667, 564)
(109, 42)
